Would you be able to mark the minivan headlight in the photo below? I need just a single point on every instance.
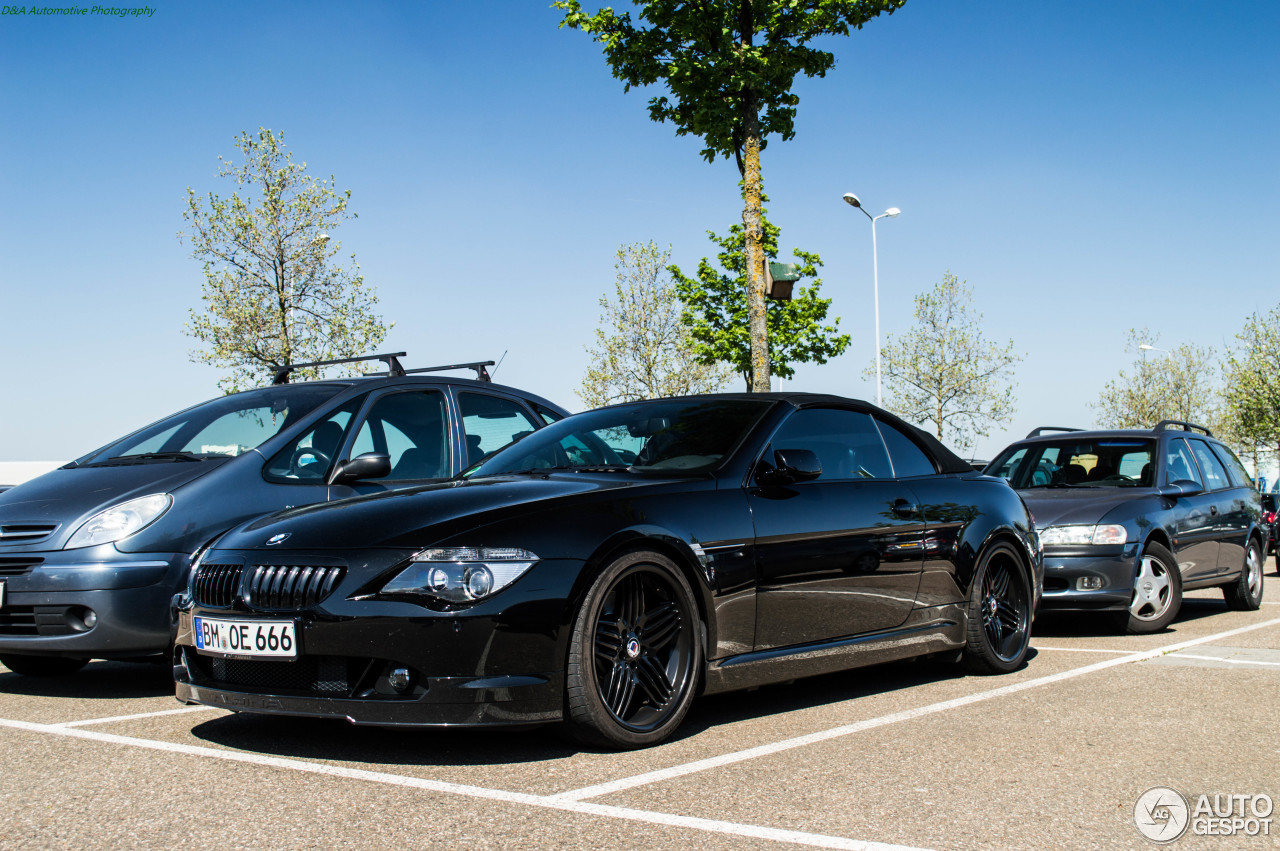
(1068, 536)
(461, 574)
(120, 521)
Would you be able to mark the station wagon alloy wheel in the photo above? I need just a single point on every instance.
(1157, 592)
(1245, 593)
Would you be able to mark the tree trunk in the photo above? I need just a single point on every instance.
(752, 220)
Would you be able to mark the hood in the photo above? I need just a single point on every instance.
(1077, 506)
(67, 496)
(399, 519)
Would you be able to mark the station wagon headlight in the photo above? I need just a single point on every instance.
(1101, 535)
(461, 574)
(120, 521)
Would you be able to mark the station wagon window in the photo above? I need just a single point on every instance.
(1239, 475)
(1215, 475)
(908, 459)
(1180, 465)
(491, 422)
(846, 442)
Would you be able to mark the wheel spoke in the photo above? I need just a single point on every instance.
(661, 626)
(653, 679)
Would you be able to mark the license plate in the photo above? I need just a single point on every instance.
(276, 639)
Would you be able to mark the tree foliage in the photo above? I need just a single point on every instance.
(272, 293)
(1160, 385)
(729, 67)
(945, 372)
(642, 351)
(1251, 410)
(716, 311)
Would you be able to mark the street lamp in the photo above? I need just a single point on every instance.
(892, 212)
(1147, 347)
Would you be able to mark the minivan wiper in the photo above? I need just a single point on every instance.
(143, 457)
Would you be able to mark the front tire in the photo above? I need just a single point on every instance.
(1157, 593)
(634, 656)
(998, 632)
(42, 666)
(1245, 594)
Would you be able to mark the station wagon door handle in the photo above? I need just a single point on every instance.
(905, 508)
(1213, 510)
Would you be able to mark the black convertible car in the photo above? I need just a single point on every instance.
(605, 569)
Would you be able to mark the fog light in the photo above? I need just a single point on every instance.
(90, 618)
(1089, 583)
(400, 679)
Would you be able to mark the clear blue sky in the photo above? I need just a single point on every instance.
(1087, 167)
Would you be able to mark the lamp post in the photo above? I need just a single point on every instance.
(892, 212)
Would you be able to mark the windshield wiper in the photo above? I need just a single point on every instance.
(142, 457)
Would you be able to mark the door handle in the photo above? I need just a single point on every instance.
(1213, 510)
(905, 508)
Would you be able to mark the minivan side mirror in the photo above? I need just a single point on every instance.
(792, 465)
(370, 465)
(1181, 487)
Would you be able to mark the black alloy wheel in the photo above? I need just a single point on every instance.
(635, 654)
(998, 632)
(42, 666)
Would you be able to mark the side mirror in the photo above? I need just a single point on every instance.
(370, 465)
(1182, 487)
(792, 465)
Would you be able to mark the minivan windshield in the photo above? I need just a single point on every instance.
(680, 436)
(1078, 463)
(219, 428)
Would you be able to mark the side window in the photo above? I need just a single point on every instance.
(309, 458)
(491, 422)
(410, 427)
(1179, 464)
(1215, 475)
(548, 416)
(1239, 475)
(908, 459)
(846, 442)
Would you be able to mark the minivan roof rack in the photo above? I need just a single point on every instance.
(1043, 429)
(482, 374)
(391, 360)
(1184, 426)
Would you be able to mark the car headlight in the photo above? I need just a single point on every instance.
(461, 574)
(120, 521)
(1066, 536)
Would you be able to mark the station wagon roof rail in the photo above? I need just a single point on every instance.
(1043, 429)
(1184, 426)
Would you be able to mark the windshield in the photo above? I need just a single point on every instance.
(225, 427)
(684, 436)
(1078, 463)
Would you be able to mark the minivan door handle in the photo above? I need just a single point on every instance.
(905, 508)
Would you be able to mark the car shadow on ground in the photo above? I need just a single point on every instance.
(1050, 624)
(99, 680)
(328, 739)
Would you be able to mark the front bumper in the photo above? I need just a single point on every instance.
(91, 603)
(1114, 569)
(499, 662)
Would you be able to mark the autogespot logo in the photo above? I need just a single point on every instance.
(1161, 814)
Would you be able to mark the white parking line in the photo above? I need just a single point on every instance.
(1082, 650)
(114, 718)
(884, 720)
(794, 837)
(1227, 661)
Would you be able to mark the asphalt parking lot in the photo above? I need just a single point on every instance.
(908, 755)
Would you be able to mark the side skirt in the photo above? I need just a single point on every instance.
(934, 630)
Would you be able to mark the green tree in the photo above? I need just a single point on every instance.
(642, 350)
(729, 67)
(1177, 384)
(272, 295)
(1251, 409)
(716, 309)
(945, 372)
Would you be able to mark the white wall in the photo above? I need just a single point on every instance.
(17, 472)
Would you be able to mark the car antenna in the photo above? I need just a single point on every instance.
(494, 371)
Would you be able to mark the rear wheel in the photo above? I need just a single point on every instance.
(998, 632)
(42, 666)
(1245, 594)
(635, 654)
(1157, 593)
